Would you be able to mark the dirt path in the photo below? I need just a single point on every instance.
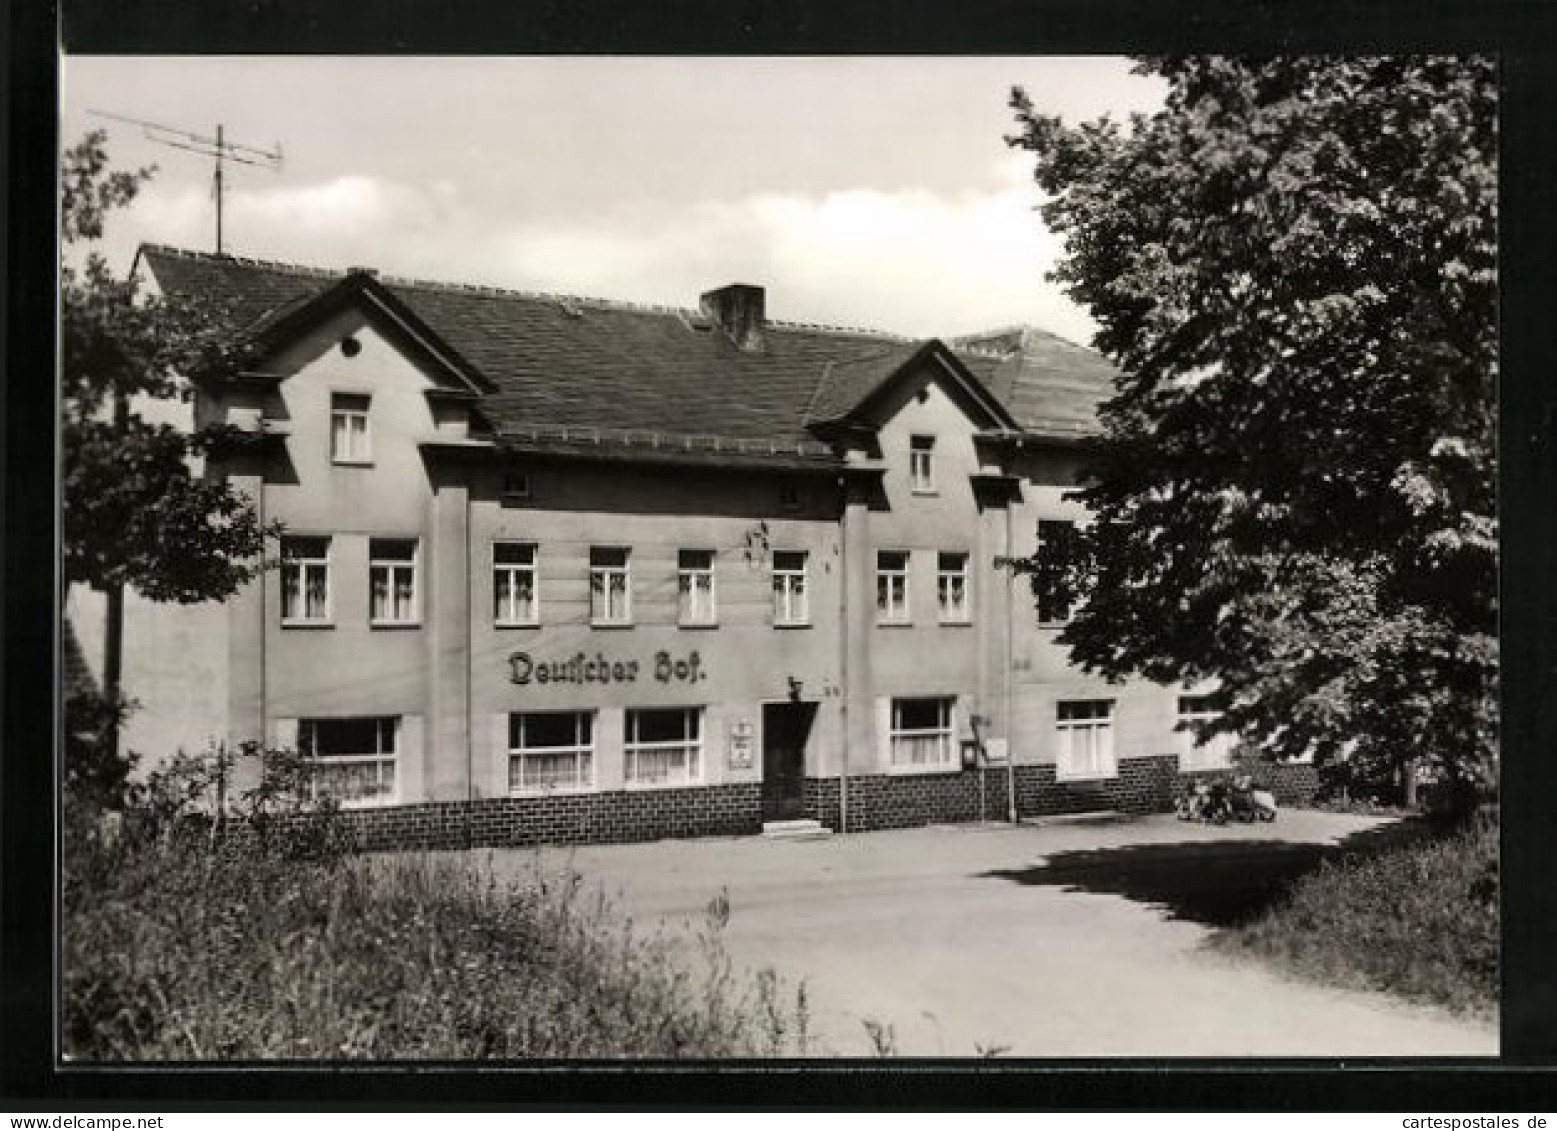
(1058, 941)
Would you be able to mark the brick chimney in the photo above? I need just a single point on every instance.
(737, 309)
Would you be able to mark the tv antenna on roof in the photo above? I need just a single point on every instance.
(217, 147)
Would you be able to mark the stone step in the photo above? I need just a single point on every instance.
(795, 830)
(1085, 817)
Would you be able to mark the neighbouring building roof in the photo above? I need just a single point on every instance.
(554, 364)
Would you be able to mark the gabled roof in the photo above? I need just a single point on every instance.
(563, 365)
(1052, 387)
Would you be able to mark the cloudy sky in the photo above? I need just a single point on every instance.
(865, 192)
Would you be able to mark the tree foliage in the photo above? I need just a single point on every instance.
(1293, 265)
(134, 512)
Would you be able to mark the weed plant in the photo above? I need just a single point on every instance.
(1419, 919)
(185, 938)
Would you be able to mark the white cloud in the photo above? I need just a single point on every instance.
(912, 261)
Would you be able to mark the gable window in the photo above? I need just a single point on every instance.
(1215, 753)
(951, 588)
(350, 439)
(791, 602)
(305, 580)
(1051, 580)
(516, 487)
(551, 750)
(514, 599)
(921, 464)
(353, 760)
(1085, 730)
(695, 584)
(663, 746)
(610, 586)
(921, 735)
(892, 587)
(392, 580)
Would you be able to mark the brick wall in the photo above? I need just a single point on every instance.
(897, 801)
(589, 818)
(877, 801)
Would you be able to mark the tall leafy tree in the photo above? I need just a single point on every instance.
(135, 514)
(1293, 264)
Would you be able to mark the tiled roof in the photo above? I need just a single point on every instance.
(1051, 386)
(563, 362)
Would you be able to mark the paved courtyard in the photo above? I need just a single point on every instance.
(1064, 940)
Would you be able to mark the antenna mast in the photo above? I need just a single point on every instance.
(218, 148)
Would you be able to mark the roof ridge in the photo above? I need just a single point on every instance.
(825, 328)
(243, 261)
(493, 291)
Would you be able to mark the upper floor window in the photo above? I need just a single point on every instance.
(892, 587)
(516, 486)
(663, 746)
(392, 580)
(951, 588)
(1086, 739)
(791, 601)
(305, 580)
(610, 586)
(695, 585)
(1052, 579)
(353, 759)
(789, 497)
(351, 441)
(921, 735)
(1214, 753)
(551, 750)
(514, 597)
(921, 464)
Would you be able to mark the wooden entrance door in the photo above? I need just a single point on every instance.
(785, 729)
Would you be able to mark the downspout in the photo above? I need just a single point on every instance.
(843, 670)
(1010, 660)
(470, 665)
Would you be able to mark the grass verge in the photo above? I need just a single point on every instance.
(176, 952)
(1419, 919)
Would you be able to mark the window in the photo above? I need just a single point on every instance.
(551, 750)
(1215, 753)
(610, 590)
(305, 581)
(392, 580)
(951, 588)
(892, 586)
(514, 599)
(695, 584)
(1086, 734)
(350, 440)
(921, 464)
(663, 746)
(921, 733)
(353, 759)
(789, 497)
(516, 485)
(791, 603)
(1051, 581)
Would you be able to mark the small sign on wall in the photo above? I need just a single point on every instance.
(741, 745)
(996, 752)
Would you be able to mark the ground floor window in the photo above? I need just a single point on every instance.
(663, 746)
(1215, 753)
(1086, 739)
(921, 735)
(354, 759)
(550, 750)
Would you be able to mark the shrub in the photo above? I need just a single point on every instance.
(173, 951)
(1419, 919)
